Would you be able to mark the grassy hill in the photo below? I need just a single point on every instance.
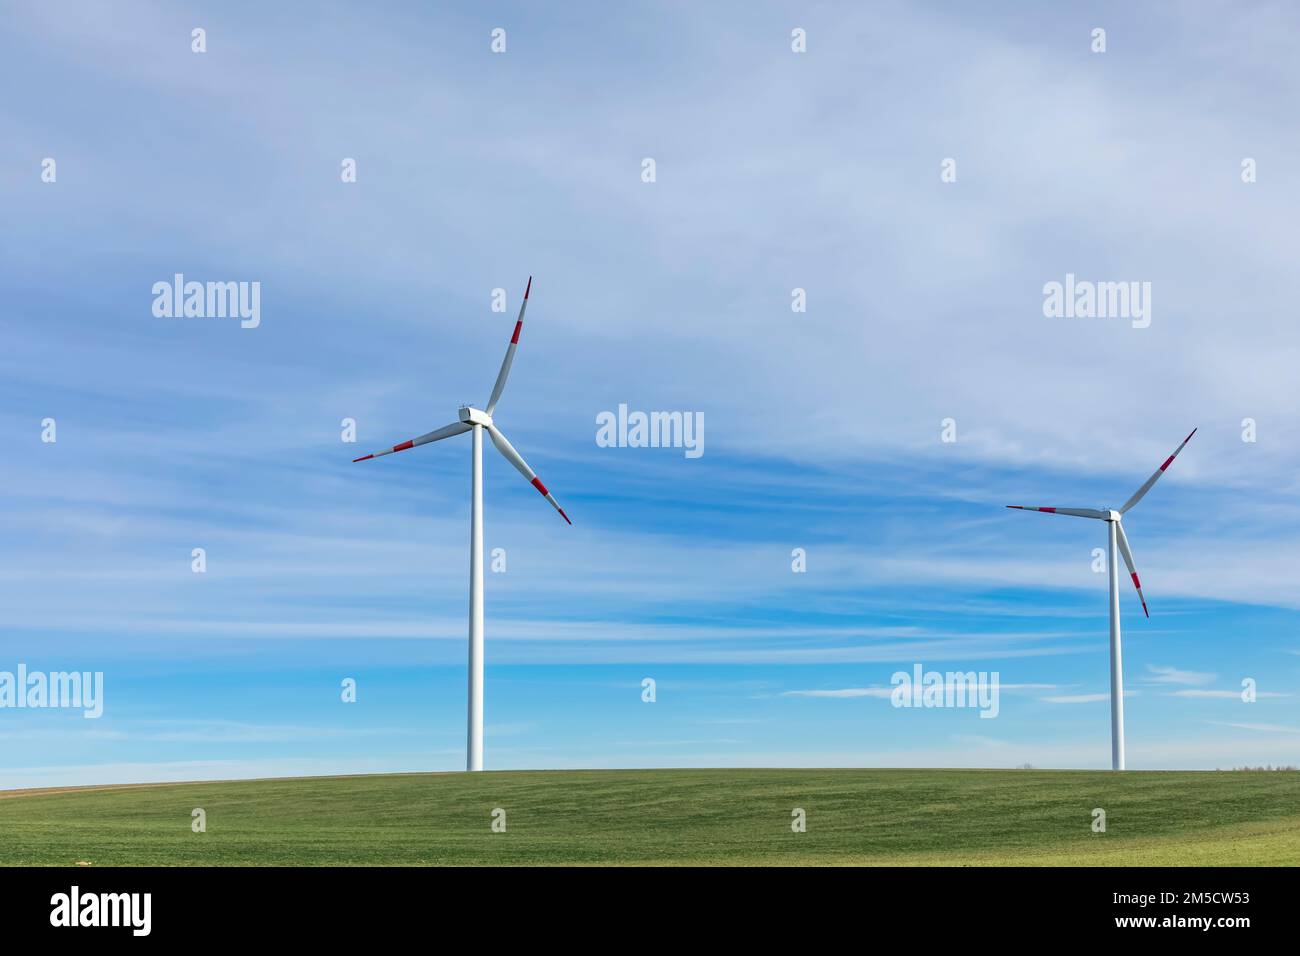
(963, 817)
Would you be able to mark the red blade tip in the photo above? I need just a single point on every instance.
(362, 458)
(530, 287)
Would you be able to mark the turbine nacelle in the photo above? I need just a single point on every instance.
(474, 416)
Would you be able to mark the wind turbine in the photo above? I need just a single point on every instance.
(474, 420)
(1115, 534)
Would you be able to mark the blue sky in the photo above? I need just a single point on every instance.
(775, 171)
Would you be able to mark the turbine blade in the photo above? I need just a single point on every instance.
(446, 431)
(1137, 495)
(506, 362)
(512, 456)
(1076, 512)
(1128, 559)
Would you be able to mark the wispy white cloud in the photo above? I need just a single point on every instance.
(1165, 674)
(1262, 728)
(1224, 694)
(231, 731)
(885, 692)
(1081, 698)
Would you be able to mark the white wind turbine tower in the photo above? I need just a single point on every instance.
(472, 419)
(1116, 535)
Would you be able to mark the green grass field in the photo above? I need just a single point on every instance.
(922, 817)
